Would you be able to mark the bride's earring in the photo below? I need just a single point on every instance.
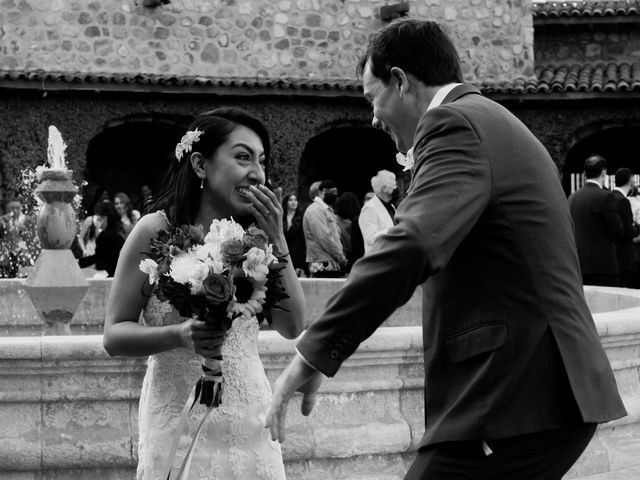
(202, 184)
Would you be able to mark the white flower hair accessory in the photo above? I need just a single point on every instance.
(186, 142)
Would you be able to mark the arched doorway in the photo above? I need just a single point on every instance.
(130, 153)
(350, 156)
(616, 143)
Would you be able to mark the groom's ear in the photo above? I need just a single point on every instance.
(400, 77)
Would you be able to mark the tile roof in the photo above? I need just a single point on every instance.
(585, 78)
(542, 10)
(182, 81)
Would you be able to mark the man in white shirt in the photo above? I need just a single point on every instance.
(376, 216)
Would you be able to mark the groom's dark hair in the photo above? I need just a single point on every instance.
(420, 47)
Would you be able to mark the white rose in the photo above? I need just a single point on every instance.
(181, 266)
(255, 266)
(150, 267)
(270, 257)
(208, 251)
(222, 230)
(197, 275)
(216, 266)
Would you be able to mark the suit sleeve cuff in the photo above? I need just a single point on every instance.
(304, 359)
(325, 362)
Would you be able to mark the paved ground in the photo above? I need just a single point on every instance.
(632, 473)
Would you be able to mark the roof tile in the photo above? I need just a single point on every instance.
(587, 77)
(586, 8)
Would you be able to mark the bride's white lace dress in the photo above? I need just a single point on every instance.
(233, 443)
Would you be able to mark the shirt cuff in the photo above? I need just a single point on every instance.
(305, 360)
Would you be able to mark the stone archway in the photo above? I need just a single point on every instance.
(130, 153)
(350, 155)
(615, 142)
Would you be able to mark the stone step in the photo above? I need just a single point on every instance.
(630, 473)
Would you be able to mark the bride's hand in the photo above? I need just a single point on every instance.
(200, 337)
(268, 213)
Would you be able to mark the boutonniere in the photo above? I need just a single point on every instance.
(405, 161)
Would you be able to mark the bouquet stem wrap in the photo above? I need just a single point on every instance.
(209, 387)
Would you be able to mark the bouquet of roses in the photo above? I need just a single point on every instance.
(229, 273)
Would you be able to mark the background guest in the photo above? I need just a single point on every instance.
(367, 196)
(377, 214)
(293, 233)
(147, 199)
(314, 190)
(109, 241)
(17, 238)
(597, 226)
(625, 248)
(634, 200)
(128, 216)
(88, 234)
(325, 255)
(347, 212)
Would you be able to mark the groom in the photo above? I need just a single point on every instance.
(516, 378)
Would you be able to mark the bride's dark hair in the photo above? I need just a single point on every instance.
(180, 195)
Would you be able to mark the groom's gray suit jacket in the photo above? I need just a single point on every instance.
(510, 346)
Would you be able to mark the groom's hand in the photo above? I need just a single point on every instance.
(298, 376)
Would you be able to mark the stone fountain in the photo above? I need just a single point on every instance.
(56, 284)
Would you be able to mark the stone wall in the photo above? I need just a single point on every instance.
(579, 44)
(20, 318)
(247, 38)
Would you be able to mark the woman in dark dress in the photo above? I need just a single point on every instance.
(293, 233)
(109, 241)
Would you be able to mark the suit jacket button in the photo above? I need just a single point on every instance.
(333, 355)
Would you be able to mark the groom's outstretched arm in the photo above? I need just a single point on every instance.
(450, 189)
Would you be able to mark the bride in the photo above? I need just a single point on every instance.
(222, 175)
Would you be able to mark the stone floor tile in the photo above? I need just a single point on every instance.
(630, 473)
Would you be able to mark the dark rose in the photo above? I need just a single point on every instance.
(255, 237)
(186, 236)
(232, 251)
(197, 234)
(163, 236)
(217, 289)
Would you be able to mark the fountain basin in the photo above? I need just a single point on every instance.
(69, 410)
